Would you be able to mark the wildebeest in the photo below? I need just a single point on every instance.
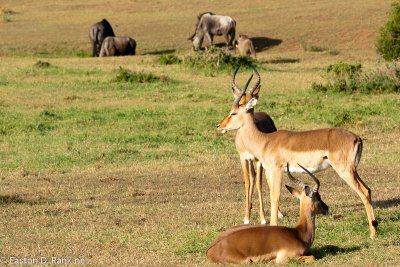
(210, 24)
(97, 33)
(118, 46)
(245, 46)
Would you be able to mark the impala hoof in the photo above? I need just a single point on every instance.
(263, 221)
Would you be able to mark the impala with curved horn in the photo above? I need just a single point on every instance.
(315, 149)
(255, 243)
(265, 124)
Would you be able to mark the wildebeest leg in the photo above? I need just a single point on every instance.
(210, 38)
(230, 38)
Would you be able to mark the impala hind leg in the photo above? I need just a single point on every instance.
(352, 178)
(259, 189)
(245, 168)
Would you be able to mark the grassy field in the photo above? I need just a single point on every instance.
(136, 174)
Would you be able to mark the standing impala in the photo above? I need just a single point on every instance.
(255, 243)
(265, 124)
(315, 149)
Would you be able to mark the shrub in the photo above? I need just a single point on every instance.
(209, 60)
(169, 59)
(388, 42)
(342, 69)
(216, 58)
(125, 75)
(349, 78)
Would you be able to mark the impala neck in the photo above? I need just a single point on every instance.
(306, 225)
(253, 138)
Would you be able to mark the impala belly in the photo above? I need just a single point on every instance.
(314, 161)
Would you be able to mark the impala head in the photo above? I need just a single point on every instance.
(308, 196)
(244, 103)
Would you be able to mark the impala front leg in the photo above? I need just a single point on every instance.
(275, 192)
(245, 168)
(269, 178)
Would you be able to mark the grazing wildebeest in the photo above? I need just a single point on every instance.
(118, 46)
(245, 46)
(97, 33)
(210, 24)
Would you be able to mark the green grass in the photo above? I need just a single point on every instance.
(118, 160)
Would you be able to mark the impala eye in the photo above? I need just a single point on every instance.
(233, 113)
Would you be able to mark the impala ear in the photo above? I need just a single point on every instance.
(293, 191)
(251, 104)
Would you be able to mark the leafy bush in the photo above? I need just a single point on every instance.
(388, 42)
(169, 59)
(125, 75)
(349, 78)
(210, 60)
(342, 69)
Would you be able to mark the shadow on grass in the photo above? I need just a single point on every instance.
(264, 43)
(281, 61)
(160, 52)
(387, 203)
(17, 199)
(330, 250)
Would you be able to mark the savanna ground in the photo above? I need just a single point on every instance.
(136, 174)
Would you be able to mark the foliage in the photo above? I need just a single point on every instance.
(388, 42)
(125, 75)
(349, 78)
(210, 60)
(169, 59)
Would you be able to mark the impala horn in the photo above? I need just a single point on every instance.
(239, 93)
(294, 179)
(316, 186)
(257, 84)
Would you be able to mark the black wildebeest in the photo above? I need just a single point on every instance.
(118, 46)
(210, 24)
(97, 33)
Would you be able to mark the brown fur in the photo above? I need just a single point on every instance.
(246, 244)
(316, 150)
(245, 46)
(265, 124)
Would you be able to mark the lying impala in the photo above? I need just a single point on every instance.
(265, 124)
(255, 243)
(316, 150)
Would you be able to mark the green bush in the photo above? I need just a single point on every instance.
(209, 60)
(125, 75)
(169, 59)
(342, 69)
(388, 42)
(349, 78)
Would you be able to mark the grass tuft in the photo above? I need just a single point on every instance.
(42, 64)
(125, 75)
